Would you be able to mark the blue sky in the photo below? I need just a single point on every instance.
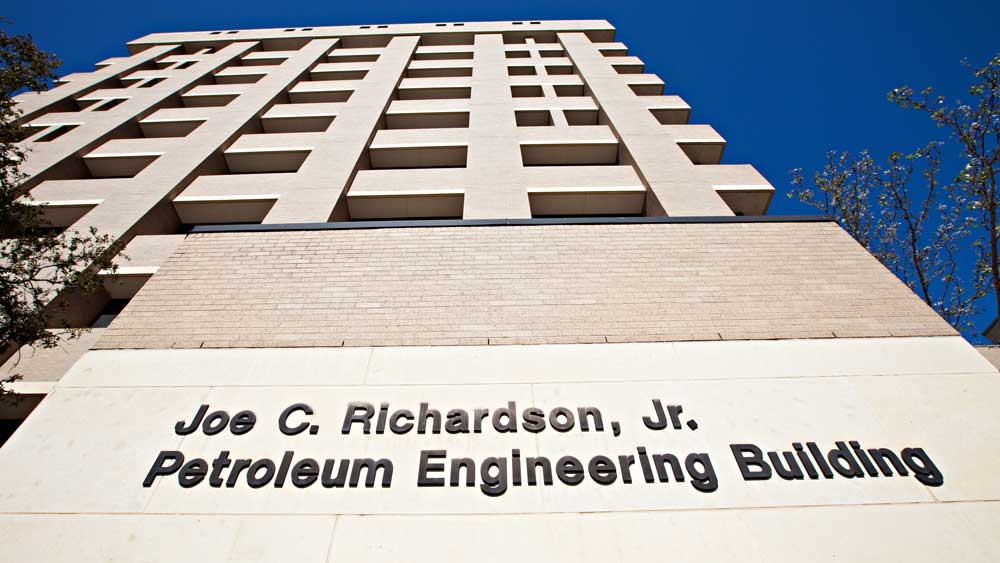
(783, 82)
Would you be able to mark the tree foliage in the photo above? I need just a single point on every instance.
(975, 128)
(914, 221)
(37, 263)
(902, 213)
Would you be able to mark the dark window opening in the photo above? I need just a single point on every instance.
(110, 104)
(526, 91)
(152, 82)
(533, 118)
(109, 312)
(568, 90)
(521, 71)
(54, 133)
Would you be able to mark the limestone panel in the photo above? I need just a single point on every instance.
(88, 450)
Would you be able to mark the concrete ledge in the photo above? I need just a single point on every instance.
(32, 387)
(540, 363)
(343, 225)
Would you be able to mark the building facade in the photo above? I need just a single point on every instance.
(466, 291)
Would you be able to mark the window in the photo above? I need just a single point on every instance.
(526, 91)
(416, 156)
(150, 82)
(442, 56)
(569, 153)
(581, 116)
(533, 118)
(647, 89)
(524, 70)
(108, 104)
(433, 93)
(568, 90)
(108, 314)
(426, 120)
(54, 133)
(438, 72)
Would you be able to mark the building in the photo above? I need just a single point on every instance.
(992, 332)
(467, 291)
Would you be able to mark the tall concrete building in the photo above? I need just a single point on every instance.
(467, 291)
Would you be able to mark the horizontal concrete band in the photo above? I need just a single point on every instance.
(866, 533)
(90, 443)
(345, 225)
(543, 363)
(93, 439)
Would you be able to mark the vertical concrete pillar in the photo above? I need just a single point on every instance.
(496, 188)
(97, 127)
(318, 191)
(170, 173)
(32, 104)
(679, 187)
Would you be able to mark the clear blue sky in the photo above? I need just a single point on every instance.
(783, 83)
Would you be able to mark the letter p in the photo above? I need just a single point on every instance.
(162, 468)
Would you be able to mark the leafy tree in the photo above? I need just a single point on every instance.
(905, 217)
(975, 127)
(37, 263)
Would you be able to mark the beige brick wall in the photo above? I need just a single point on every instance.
(525, 284)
